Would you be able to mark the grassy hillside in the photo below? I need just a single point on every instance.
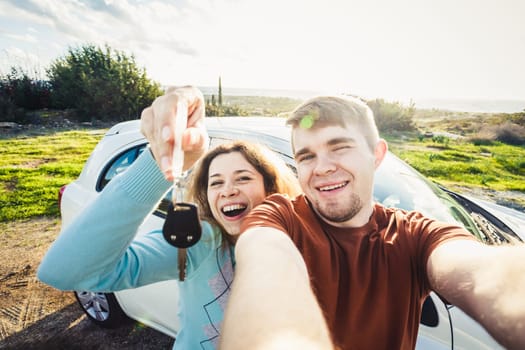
(452, 157)
(452, 162)
(33, 168)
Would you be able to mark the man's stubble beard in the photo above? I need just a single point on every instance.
(340, 213)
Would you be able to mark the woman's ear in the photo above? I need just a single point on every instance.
(380, 151)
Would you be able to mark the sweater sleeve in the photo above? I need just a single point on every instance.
(98, 250)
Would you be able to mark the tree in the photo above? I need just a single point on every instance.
(220, 92)
(19, 93)
(100, 83)
(215, 108)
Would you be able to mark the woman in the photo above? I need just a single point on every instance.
(227, 183)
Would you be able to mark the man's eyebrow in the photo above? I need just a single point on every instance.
(338, 140)
(301, 152)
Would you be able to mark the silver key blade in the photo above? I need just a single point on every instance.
(181, 122)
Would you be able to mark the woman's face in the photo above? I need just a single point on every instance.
(234, 188)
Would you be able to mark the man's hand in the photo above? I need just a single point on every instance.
(158, 126)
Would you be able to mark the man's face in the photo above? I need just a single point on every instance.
(335, 167)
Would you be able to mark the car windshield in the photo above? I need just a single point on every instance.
(398, 185)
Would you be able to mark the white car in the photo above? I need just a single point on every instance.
(442, 326)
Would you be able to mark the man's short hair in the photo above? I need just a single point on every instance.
(344, 111)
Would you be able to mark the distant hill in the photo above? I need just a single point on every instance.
(472, 105)
(450, 104)
(296, 94)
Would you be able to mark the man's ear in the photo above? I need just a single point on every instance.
(380, 151)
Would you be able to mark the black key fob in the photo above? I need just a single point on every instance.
(182, 227)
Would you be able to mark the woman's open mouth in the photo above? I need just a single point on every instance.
(233, 210)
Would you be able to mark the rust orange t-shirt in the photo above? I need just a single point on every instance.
(370, 281)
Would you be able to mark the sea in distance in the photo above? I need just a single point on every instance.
(450, 104)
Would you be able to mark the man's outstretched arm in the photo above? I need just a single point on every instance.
(272, 305)
(486, 282)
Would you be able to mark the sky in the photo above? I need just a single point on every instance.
(391, 49)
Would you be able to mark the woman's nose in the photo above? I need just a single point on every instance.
(229, 190)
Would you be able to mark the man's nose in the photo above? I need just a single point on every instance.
(324, 165)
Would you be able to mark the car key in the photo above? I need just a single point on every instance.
(182, 227)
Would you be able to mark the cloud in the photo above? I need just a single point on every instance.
(28, 62)
(116, 9)
(375, 48)
(22, 37)
(121, 24)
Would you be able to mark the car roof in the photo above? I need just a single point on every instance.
(270, 131)
(271, 126)
(274, 126)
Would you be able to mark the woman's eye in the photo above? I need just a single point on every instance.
(244, 179)
(215, 183)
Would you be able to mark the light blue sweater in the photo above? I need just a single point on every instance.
(98, 251)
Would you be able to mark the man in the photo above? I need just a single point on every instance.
(370, 267)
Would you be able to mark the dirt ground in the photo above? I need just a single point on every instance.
(36, 316)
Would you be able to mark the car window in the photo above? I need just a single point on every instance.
(119, 164)
(398, 185)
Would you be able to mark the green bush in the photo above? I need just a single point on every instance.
(478, 140)
(392, 116)
(19, 93)
(102, 84)
(7, 108)
(441, 139)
